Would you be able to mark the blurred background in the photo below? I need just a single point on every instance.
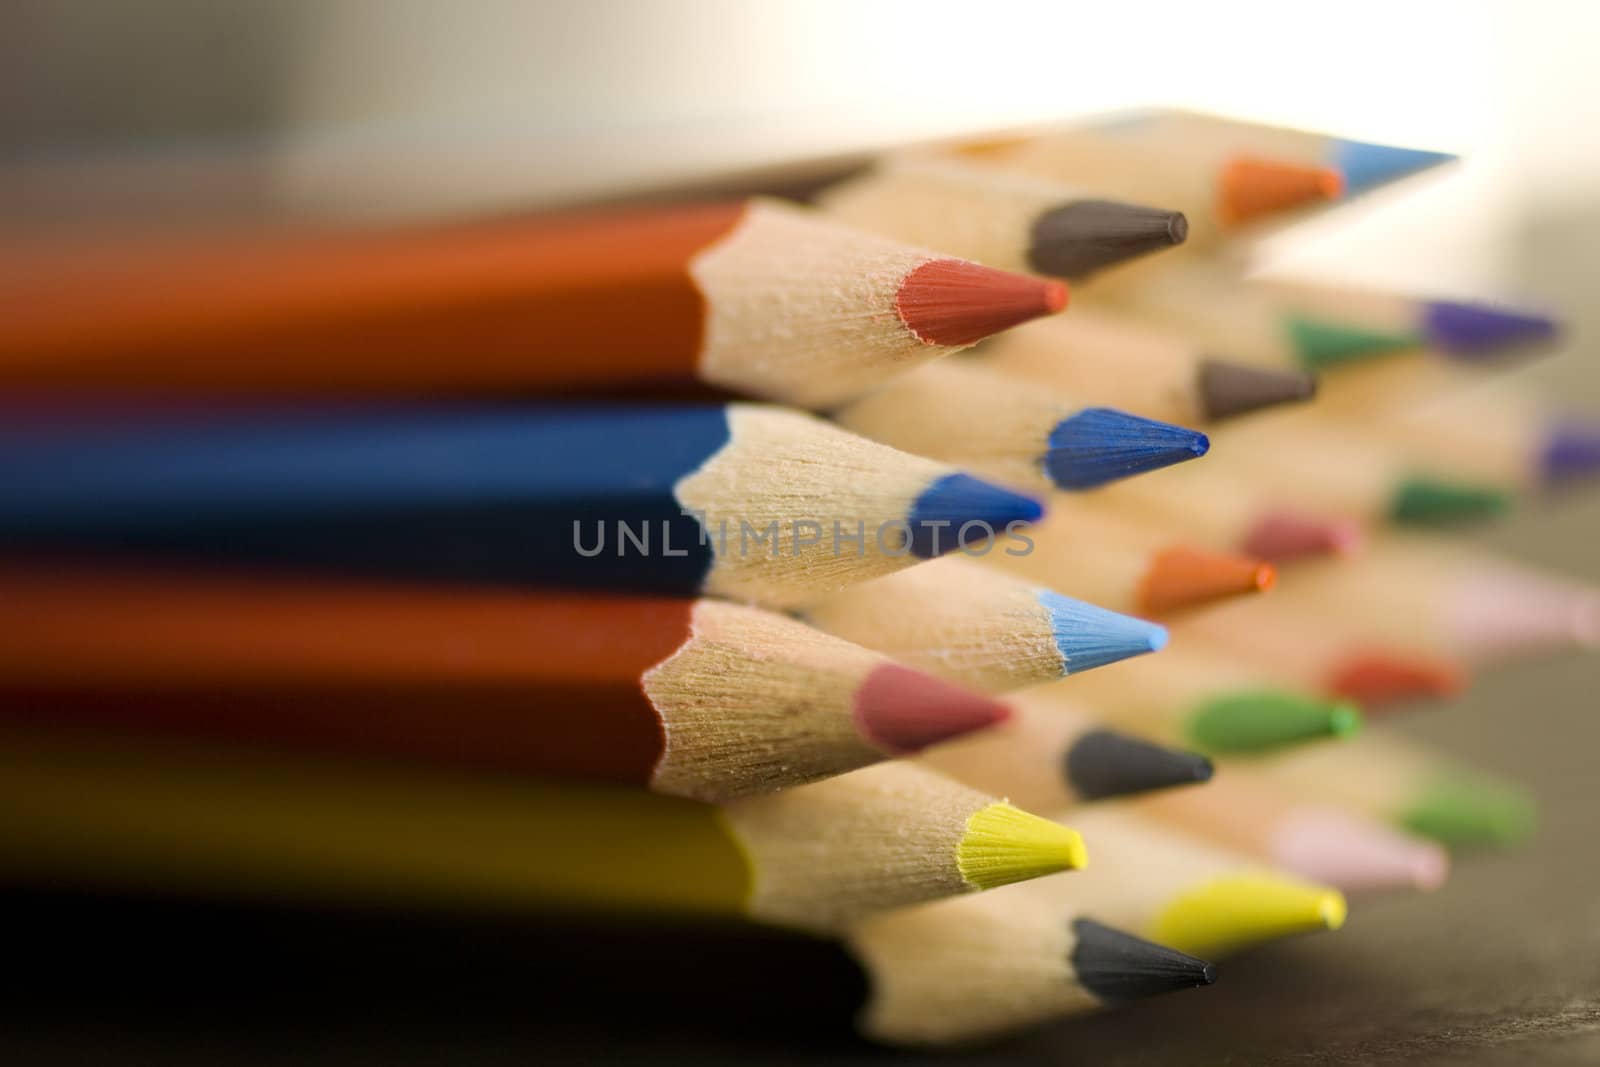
(170, 114)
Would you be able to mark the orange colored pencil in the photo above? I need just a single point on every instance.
(756, 297)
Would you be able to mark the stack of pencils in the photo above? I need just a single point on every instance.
(755, 582)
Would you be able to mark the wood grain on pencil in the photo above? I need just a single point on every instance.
(754, 297)
(696, 698)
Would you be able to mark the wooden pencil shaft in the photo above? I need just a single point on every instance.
(107, 813)
(755, 297)
(756, 502)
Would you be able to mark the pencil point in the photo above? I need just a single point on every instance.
(1376, 678)
(1235, 912)
(1106, 763)
(1117, 966)
(1185, 577)
(903, 711)
(1283, 536)
(957, 501)
(1473, 330)
(1264, 719)
(954, 302)
(1230, 389)
(1463, 810)
(1366, 166)
(1428, 501)
(1497, 615)
(1085, 236)
(1356, 854)
(1097, 446)
(1003, 844)
(1249, 189)
(1320, 344)
(1089, 636)
(1571, 451)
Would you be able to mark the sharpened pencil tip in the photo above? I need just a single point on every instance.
(1088, 636)
(903, 711)
(1107, 763)
(1114, 965)
(1366, 166)
(1373, 679)
(1259, 720)
(1321, 344)
(1475, 330)
(1571, 451)
(1249, 189)
(1283, 536)
(1182, 576)
(1077, 239)
(1231, 389)
(1430, 502)
(956, 303)
(1097, 446)
(1004, 844)
(1235, 912)
(1355, 854)
(1461, 810)
(958, 502)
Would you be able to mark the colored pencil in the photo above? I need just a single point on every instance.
(1219, 192)
(972, 624)
(1383, 777)
(1308, 653)
(1016, 432)
(1009, 221)
(904, 977)
(1418, 596)
(1498, 436)
(1251, 815)
(1030, 964)
(1190, 695)
(1116, 360)
(1362, 165)
(1178, 891)
(1321, 467)
(753, 502)
(1324, 328)
(1109, 560)
(695, 698)
(112, 814)
(758, 297)
(1220, 507)
(1051, 754)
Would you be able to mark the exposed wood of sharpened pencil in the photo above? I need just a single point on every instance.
(1016, 432)
(115, 814)
(1362, 165)
(1179, 891)
(1088, 553)
(1050, 754)
(688, 697)
(1250, 814)
(755, 297)
(757, 503)
(1196, 696)
(1008, 221)
(1219, 192)
(1117, 361)
(1384, 777)
(972, 624)
(904, 978)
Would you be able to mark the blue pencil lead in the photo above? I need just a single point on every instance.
(1101, 445)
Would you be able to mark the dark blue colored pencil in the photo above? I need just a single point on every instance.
(754, 502)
